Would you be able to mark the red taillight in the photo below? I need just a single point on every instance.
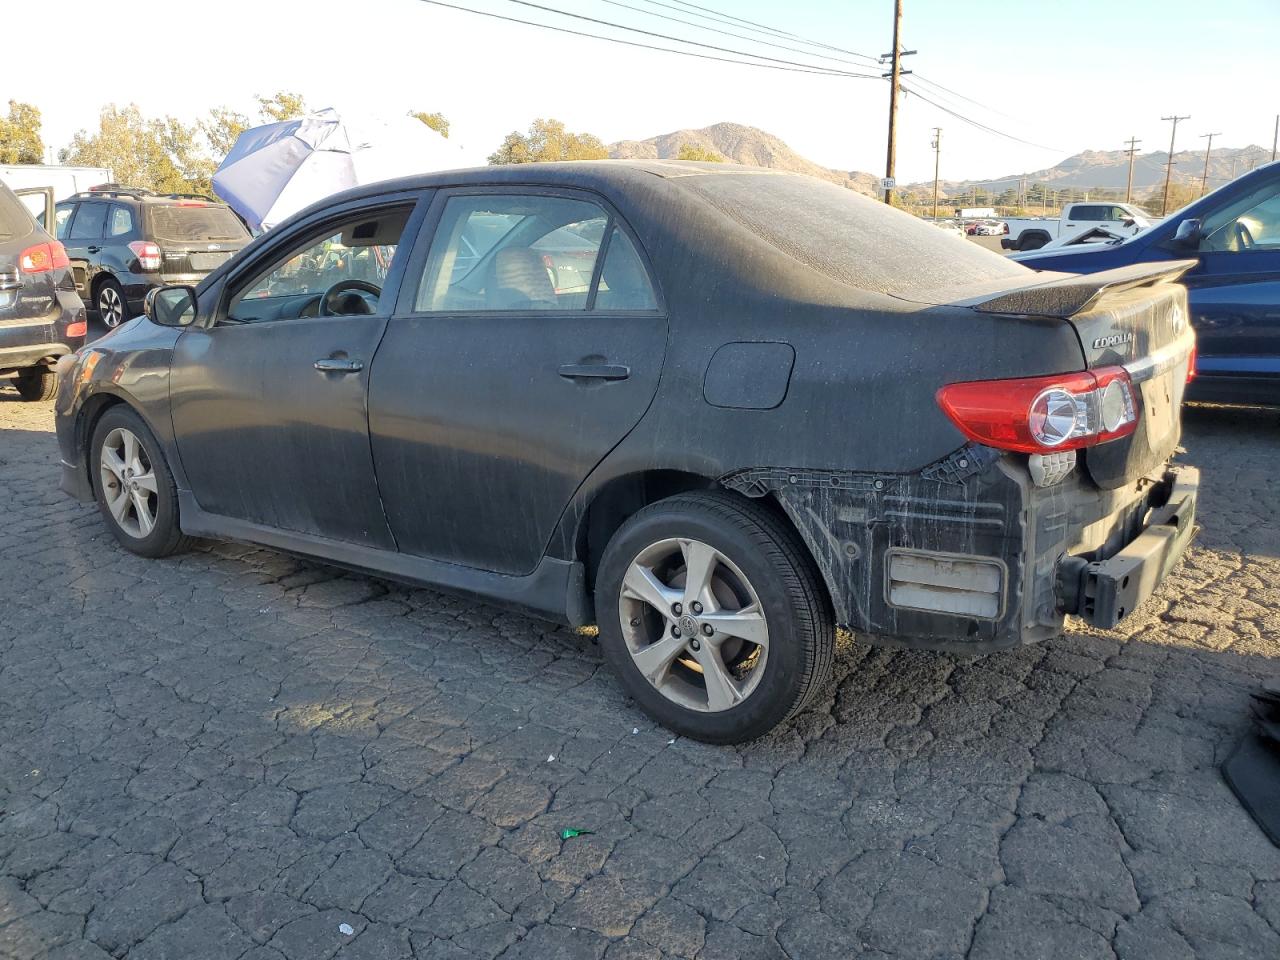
(77, 329)
(148, 254)
(1191, 365)
(1044, 414)
(43, 257)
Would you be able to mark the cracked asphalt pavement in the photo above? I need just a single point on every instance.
(238, 754)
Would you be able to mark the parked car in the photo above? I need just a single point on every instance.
(778, 407)
(124, 241)
(1031, 233)
(41, 318)
(950, 227)
(1233, 237)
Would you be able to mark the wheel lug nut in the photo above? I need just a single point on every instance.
(696, 607)
(677, 609)
(706, 628)
(675, 631)
(695, 644)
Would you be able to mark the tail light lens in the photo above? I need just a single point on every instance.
(1044, 414)
(43, 257)
(148, 254)
(77, 329)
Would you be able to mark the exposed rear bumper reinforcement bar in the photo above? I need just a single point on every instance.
(1102, 592)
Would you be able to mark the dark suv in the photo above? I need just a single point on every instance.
(124, 241)
(41, 318)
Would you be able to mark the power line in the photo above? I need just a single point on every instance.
(645, 46)
(955, 93)
(981, 126)
(767, 29)
(727, 33)
(693, 43)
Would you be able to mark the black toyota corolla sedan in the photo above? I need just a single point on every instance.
(716, 410)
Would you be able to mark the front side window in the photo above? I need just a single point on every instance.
(1252, 222)
(340, 273)
(89, 221)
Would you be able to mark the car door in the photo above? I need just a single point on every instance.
(527, 342)
(268, 392)
(1235, 291)
(83, 243)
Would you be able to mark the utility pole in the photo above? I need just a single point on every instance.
(894, 75)
(1204, 180)
(1275, 137)
(1133, 148)
(1168, 167)
(937, 155)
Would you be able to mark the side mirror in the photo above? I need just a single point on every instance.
(1188, 235)
(171, 306)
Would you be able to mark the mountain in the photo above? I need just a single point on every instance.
(741, 144)
(1109, 170)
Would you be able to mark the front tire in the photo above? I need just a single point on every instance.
(134, 488)
(36, 384)
(113, 309)
(713, 617)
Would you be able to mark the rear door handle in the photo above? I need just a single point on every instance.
(94, 249)
(594, 371)
(339, 365)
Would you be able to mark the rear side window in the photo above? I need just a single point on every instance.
(624, 283)
(89, 221)
(173, 221)
(62, 217)
(121, 222)
(1090, 212)
(15, 221)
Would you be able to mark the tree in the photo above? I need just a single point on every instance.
(20, 135)
(548, 140)
(222, 128)
(436, 121)
(690, 151)
(281, 106)
(159, 154)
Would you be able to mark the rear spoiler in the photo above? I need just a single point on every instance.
(1069, 294)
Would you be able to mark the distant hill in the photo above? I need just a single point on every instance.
(741, 144)
(1109, 170)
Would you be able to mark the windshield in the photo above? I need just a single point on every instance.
(849, 237)
(180, 222)
(15, 221)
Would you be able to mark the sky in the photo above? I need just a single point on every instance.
(1064, 76)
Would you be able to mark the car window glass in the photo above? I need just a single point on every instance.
(89, 221)
(1252, 222)
(624, 283)
(1083, 211)
(121, 221)
(62, 217)
(346, 267)
(505, 253)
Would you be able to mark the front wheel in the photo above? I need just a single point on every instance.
(713, 617)
(135, 491)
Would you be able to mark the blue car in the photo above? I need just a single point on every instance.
(1234, 291)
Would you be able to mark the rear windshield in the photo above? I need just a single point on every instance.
(15, 220)
(849, 237)
(177, 222)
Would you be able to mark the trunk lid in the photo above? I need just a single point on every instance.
(1135, 317)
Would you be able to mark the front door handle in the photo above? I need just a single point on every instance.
(339, 365)
(594, 371)
(94, 249)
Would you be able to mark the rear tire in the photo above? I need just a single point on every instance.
(134, 488)
(36, 384)
(113, 308)
(762, 585)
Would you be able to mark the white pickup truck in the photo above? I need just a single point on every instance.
(1032, 233)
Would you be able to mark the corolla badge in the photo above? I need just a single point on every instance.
(1115, 340)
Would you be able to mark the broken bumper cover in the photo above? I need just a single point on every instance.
(1103, 591)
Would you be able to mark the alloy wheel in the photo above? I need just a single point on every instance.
(694, 625)
(110, 306)
(128, 482)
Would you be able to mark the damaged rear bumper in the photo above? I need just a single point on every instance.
(971, 555)
(1103, 591)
